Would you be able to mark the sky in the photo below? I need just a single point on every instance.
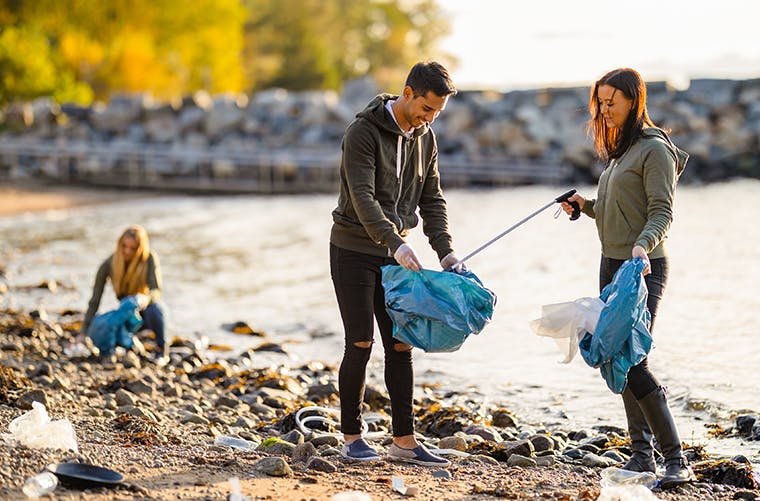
(506, 44)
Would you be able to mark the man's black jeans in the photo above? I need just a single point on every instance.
(358, 288)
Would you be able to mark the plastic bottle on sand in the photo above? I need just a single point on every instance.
(235, 442)
(616, 476)
(40, 484)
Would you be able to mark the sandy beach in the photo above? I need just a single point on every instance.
(20, 197)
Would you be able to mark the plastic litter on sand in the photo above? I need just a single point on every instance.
(40, 485)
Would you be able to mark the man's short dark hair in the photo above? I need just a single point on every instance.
(430, 76)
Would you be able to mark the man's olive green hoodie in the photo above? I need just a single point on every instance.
(384, 178)
(634, 204)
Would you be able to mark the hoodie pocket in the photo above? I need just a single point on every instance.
(625, 228)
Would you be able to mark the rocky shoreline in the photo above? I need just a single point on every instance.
(280, 141)
(163, 426)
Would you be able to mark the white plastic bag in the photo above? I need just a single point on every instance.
(35, 430)
(567, 322)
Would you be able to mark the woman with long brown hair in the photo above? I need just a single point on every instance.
(633, 211)
(133, 269)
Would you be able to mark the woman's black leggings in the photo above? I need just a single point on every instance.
(641, 381)
(361, 299)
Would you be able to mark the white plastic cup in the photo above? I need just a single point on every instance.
(40, 484)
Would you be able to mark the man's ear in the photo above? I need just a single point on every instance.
(408, 93)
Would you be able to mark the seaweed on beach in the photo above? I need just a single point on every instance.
(214, 371)
(490, 449)
(442, 421)
(12, 385)
(716, 430)
(18, 324)
(135, 430)
(726, 471)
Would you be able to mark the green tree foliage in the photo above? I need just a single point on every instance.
(305, 44)
(81, 50)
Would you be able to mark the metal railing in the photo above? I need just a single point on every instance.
(216, 169)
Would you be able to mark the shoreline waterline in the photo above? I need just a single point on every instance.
(258, 259)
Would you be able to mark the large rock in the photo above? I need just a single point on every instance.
(122, 111)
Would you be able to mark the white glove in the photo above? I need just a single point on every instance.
(406, 257)
(451, 259)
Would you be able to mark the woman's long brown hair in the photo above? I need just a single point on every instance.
(611, 143)
(131, 278)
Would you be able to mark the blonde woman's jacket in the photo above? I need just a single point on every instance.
(153, 280)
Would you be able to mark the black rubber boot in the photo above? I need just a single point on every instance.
(642, 457)
(655, 408)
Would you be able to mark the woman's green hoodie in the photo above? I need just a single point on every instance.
(634, 204)
(384, 178)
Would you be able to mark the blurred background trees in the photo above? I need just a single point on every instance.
(86, 50)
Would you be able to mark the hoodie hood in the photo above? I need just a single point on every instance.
(681, 156)
(376, 113)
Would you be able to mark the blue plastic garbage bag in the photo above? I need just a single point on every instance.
(621, 339)
(436, 310)
(116, 327)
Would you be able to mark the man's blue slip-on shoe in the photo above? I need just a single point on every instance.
(359, 450)
(418, 455)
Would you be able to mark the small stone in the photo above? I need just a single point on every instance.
(595, 461)
(124, 397)
(482, 458)
(304, 451)
(455, 443)
(25, 400)
(276, 446)
(545, 461)
(227, 401)
(486, 432)
(746, 494)
(325, 440)
(319, 464)
(189, 417)
(441, 474)
(522, 447)
(273, 466)
(520, 460)
(295, 437)
(613, 455)
(502, 418)
(575, 453)
(140, 388)
(542, 443)
(600, 441)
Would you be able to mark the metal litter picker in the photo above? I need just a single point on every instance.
(562, 198)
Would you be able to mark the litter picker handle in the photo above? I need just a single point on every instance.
(575, 205)
(562, 198)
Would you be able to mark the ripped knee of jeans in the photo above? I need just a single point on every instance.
(363, 344)
(402, 347)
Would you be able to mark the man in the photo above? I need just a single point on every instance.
(389, 169)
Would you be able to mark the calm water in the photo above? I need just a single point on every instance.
(264, 260)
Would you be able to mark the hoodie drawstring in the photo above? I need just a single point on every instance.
(419, 159)
(398, 159)
(399, 146)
